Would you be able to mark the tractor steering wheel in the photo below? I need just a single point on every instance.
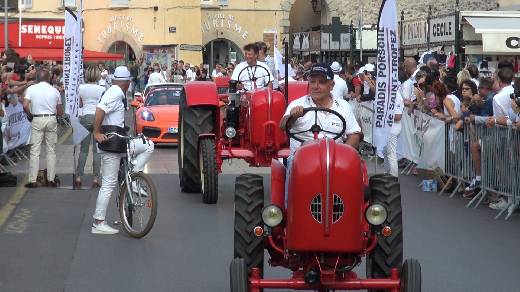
(252, 77)
(316, 129)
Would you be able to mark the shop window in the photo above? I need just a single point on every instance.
(215, 2)
(67, 3)
(120, 2)
(26, 4)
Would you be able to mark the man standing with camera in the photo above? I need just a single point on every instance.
(110, 117)
(42, 103)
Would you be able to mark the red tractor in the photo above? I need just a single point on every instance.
(335, 216)
(215, 126)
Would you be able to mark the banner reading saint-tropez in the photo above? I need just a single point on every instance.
(71, 60)
(387, 68)
(73, 70)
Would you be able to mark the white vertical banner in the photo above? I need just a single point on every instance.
(73, 70)
(387, 69)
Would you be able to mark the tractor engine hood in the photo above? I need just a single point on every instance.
(325, 199)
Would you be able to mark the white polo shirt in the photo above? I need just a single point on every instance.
(340, 89)
(327, 121)
(408, 86)
(502, 103)
(250, 72)
(156, 78)
(44, 98)
(112, 104)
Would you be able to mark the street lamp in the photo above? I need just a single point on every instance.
(316, 7)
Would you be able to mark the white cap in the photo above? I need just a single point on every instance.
(122, 73)
(361, 71)
(336, 67)
(370, 67)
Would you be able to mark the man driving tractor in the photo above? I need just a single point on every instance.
(302, 124)
(251, 70)
(321, 82)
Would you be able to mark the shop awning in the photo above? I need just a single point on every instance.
(499, 30)
(494, 24)
(55, 54)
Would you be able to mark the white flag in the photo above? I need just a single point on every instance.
(73, 70)
(387, 73)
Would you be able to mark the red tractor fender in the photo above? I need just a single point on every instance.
(278, 183)
(201, 93)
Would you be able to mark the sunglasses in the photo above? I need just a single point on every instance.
(466, 88)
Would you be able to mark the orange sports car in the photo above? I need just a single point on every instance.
(156, 114)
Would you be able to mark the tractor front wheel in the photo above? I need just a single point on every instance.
(388, 252)
(238, 276)
(193, 121)
(411, 276)
(249, 202)
(208, 170)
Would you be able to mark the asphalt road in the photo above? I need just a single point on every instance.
(46, 244)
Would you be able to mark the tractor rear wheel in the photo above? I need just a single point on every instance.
(388, 252)
(193, 121)
(208, 170)
(249, 202)
(411, 276)
(238, 276)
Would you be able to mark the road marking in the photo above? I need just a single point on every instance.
(15, 199)
(19, 223)
(21, 190)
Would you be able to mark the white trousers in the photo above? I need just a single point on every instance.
(141, 153)
(390, 151)
(43, 127)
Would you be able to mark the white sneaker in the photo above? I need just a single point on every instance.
(103, 228)
(499, 205)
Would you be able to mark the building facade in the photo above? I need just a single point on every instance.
(214, 31)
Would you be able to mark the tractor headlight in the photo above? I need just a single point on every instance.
(272, 215)
(231, 132)
(376, 214)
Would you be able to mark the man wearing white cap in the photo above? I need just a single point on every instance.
(110, 111)
(340, 89)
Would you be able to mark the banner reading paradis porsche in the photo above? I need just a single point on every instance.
(387, 73)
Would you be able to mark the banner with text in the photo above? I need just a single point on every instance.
(73, 70)
(422, 140)
(387, 68)
(17, 131)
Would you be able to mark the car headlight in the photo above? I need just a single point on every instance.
(272, 215)
(147, 116)
(376, 214)
(231, 132)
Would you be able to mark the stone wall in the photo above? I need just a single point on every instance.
(349, 9)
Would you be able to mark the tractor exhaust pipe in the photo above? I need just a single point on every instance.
(286, 77)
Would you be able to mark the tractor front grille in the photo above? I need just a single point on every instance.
(337, 209)
(316, 208)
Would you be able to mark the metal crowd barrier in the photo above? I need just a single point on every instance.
(500, 153)
(459, 165)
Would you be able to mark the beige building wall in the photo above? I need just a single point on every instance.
(144, 24)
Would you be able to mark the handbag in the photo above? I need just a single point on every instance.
(113, 144)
